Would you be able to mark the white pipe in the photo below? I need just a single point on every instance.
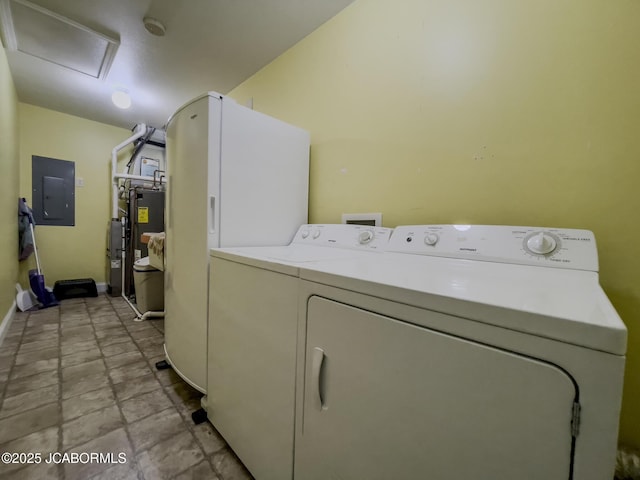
(123, 255)
(150, 315)
(137, 312)
(141, 129)
(137, 177)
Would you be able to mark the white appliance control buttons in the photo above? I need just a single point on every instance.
(365, 237)
(316, 233)
(541, 246)
(305, 233)
(540, 243)
(431, 239)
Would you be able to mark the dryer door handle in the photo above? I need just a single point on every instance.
(317, 377)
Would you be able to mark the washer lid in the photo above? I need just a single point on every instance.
(287, 259)
(565, 305)
(142, 265)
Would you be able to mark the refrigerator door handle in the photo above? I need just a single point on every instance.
(212, 214)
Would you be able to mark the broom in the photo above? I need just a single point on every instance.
(36, 279)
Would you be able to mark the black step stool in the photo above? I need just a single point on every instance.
(79, 287)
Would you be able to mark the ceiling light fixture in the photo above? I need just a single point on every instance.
(154, 27)
(121, 99)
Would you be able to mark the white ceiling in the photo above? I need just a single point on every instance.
(208, 45)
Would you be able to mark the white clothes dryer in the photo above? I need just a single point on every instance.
(475, 352)
(253, 316)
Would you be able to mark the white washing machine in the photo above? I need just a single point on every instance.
(253, 333)
(475, 352)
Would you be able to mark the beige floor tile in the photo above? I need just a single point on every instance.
(74, 321)
(145, 333)
(42, 471)
(90, 426)
(147, 432)
(32, 382)
(115, 443)
(143, 384)
(209, 438)
(168, 376)
(7, 361)
(90, 344)
(80, 357)
(34, 356)
(133, 325)
(129, 372)
(31, 345)
(123, 359)
(83, 370)
(144, 405)
(78, 386)
(185, 397)
(118, 335)
(77, 338)
(119, 348)
(150, 351)
(29, 400)
(229, 466)
(75, 330)
(34, 368)
(28, 422)
(126, 471)
(112, 397)
(87, 402)
(43, 442)
(170, 457)
(201, 471)
(108, 318)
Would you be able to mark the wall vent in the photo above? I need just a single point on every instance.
(41, 33)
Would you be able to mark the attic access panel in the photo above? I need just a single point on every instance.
(53, 191)
(41, 33)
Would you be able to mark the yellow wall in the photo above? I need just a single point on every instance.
(78, 251)
(485, 112)
(8, 187)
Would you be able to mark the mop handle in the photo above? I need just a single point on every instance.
(35, 249)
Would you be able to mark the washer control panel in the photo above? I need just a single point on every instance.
(360, 237)
(549, 247)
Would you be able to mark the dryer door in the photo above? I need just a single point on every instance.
(386, 399)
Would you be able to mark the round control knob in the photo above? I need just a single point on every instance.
(365, 237)
(316, 234)
(305, 233)
(431, 239)
(541, 243)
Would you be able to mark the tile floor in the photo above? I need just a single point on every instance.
(81, 378)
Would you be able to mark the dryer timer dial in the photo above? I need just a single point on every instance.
(365, 237)
(431, 239)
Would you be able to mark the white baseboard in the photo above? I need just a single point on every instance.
(101, 287)
(6, 321)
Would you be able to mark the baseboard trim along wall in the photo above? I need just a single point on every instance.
(101, 287)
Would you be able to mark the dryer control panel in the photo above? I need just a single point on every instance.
(360, 237)
(548, 247)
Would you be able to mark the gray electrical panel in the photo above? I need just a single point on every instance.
(53, 189)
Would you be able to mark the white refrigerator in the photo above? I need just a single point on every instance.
(236, 177)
